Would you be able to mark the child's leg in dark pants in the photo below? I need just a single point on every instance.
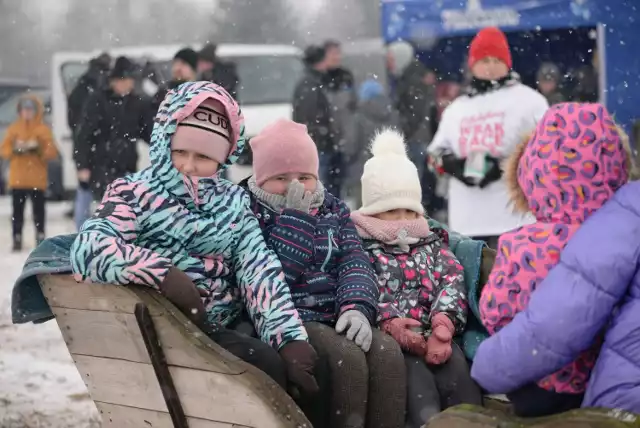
(454, 381)
(19, 198)
(38, 201)
(347, 383)
(387, 382)
(423, 400)
(532, 401)
(253, 351)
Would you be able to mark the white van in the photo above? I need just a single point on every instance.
(268, 75)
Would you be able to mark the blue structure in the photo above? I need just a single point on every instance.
(438, 27)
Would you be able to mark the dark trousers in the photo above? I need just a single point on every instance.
(431, 388)
(253, 351)
(532, 401)
(357, 389)
(20, 197)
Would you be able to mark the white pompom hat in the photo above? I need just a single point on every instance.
(390, 180)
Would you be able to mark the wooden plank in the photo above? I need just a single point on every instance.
(130, 417)
(62, 291)
(205, 395)
(121, 382)
(116, 335)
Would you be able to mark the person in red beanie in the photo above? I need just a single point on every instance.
(360, 369)
(480, 129)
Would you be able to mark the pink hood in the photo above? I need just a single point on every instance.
(574, 162)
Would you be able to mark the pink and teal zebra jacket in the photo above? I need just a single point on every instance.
(155, 218)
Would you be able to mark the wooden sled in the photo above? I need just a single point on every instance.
(146, 365)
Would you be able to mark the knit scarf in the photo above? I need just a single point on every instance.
(279, 202)
(480, 86)
(400, 233)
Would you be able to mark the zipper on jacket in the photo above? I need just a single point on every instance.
(329, 251)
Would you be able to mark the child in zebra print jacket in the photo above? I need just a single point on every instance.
(179, 228)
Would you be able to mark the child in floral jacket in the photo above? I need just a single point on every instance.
(423, 301)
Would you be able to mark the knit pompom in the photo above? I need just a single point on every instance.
(388, 141)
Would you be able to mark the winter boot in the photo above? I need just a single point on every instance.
(17, 243)
(39, 238)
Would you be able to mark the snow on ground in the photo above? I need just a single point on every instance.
(39, 384)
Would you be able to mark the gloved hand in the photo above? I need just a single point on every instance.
(359, 328)
(297, 198)
(300, 359)
(439, 343)
(401, 329)
(455, 168)
(493, 174)
(182, 292)
(25, 147)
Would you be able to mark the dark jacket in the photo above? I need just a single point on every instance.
(415, 100)
(107, 136)
(311, 107)
(223, 74)
(327, 269)
(95, 78)
(339, 79)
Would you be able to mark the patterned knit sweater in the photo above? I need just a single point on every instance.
(327, 269)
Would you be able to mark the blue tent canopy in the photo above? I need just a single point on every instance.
(423, 22)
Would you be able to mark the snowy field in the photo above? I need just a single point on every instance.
(39, 384)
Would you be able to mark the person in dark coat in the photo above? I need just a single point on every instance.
(343, 100)
(416, 101)
(211, 68)
(183, 69)
(311, 107)
(375, 112)
(337, 76)
(107, 134)
(95, 78)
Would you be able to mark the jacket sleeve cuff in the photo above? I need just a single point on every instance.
(277, 342)
(364, 309)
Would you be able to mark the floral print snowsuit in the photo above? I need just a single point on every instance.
(426, 280)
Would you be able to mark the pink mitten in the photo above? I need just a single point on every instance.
(400, 330)
(439, 343)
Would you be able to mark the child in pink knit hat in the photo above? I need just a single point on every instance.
(423, 301)
(331, 281)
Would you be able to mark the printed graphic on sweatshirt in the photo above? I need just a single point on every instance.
(482, 133)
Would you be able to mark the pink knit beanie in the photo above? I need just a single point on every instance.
(281, 148)
(206, 131)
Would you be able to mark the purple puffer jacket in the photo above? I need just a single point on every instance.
(595, 286)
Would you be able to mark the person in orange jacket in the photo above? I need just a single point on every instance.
(28, 146)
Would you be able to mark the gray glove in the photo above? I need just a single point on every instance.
(297, 198)
(359, 328)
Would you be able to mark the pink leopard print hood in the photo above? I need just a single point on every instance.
(574, 163)
(575, 149)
